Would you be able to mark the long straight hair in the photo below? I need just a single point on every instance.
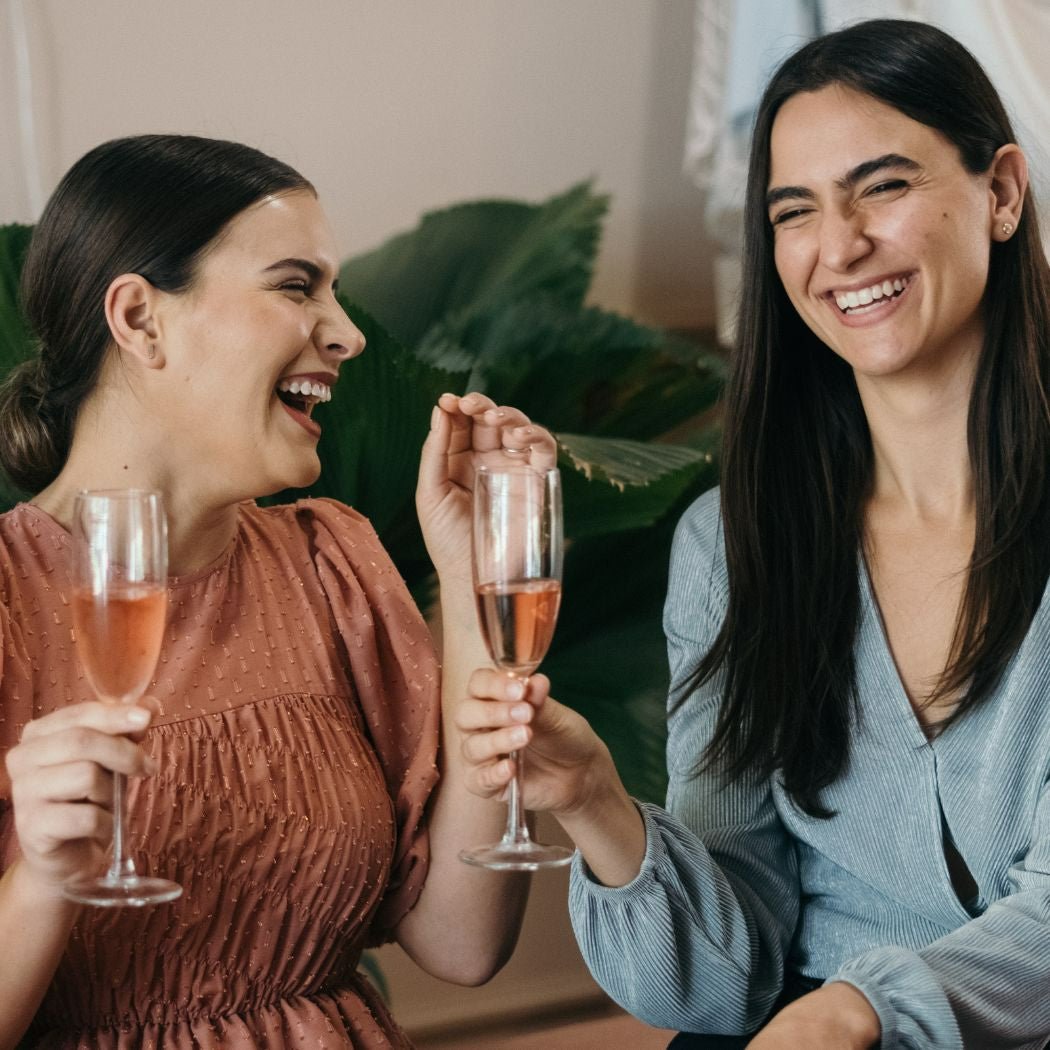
(797, 458)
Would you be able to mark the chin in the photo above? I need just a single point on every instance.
(302, 477)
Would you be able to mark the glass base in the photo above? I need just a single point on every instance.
(517, 856)
(128, 891)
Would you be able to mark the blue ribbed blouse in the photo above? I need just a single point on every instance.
(738, 885)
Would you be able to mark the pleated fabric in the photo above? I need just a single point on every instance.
(296, 752)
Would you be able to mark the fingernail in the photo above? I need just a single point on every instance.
(519, 735)
(515, 690)
(150, 765)
(520, 712)
(137, 716)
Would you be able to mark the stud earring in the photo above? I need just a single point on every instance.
(1007, 228)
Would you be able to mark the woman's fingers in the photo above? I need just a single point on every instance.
(92, 714)
(78, 744)
(503, 431)
(68, 822)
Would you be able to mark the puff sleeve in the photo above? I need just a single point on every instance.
(395, 673)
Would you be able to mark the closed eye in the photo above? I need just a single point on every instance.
(784, 217)
(891, 186)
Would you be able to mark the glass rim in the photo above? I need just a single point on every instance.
(515, 468)
(116, 493)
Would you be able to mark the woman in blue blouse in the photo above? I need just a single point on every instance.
(855, 850)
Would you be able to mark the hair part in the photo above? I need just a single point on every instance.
(147, 204)
(797, 458)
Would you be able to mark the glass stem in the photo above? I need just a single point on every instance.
(120, 867)
(517, 830)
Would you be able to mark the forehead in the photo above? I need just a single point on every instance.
(817, 136)
(285, 225)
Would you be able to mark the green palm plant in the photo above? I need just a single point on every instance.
(489, 296)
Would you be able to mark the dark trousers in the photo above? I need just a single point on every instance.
(795, 986)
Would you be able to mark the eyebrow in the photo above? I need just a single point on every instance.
(864, 170)
(311, 269)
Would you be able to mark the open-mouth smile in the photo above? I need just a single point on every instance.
(859, 301)
(299, 394)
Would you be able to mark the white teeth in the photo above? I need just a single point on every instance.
(314, 392)
(866, 296)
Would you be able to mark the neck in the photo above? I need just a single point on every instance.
(918, 431)
(200, 526)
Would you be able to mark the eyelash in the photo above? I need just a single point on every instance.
(889, 185)
(785, 216)
(298, 284)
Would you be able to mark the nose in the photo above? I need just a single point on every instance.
(337, 336)
(843, 240)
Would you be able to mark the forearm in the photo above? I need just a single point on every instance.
(983, 983)
(466, 921)
(38, 922)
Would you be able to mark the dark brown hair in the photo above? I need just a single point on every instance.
(149, 204)
(797, 462)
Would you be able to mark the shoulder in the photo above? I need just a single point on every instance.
(32, 546)
(698, 550)
(311, 519)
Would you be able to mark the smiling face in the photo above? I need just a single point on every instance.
(881, 236)
(254, 345)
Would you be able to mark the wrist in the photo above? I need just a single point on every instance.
(606, 826)
(853, 1010)
(34, 893)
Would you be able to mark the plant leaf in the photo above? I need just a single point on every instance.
(471, 256)
(15, 342)
(612, 485)
(589, 371)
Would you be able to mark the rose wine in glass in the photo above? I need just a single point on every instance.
(517, 580)
(120, 597)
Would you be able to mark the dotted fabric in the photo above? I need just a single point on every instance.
(296, 750)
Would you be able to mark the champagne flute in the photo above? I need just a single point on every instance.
(120, 567)
(517, 545)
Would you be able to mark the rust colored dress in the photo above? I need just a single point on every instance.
(296, 752)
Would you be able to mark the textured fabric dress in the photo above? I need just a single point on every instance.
(739, 887)
(296, 751)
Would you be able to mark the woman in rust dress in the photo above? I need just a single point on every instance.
(287, 770)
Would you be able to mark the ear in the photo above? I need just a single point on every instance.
(130, 307)
(1009, 172)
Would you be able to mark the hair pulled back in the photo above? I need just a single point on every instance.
(148, 204)
(797, 457)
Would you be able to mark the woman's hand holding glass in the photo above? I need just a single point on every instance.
(62, 785)
(568, 763)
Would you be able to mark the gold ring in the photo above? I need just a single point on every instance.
(517, 451)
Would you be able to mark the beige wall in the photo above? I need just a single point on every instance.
(393, 107)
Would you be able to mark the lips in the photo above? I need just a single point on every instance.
(298, 394)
